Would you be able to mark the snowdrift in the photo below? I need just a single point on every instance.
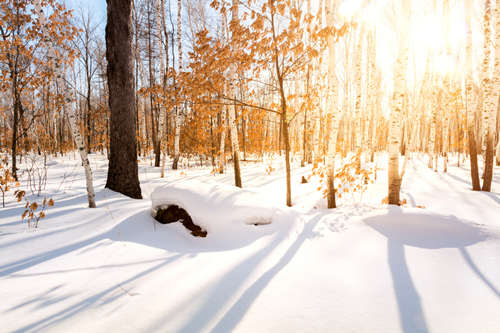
(215, 207)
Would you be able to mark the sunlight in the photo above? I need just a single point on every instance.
(432, 33)
(348, 8)
(249, 166)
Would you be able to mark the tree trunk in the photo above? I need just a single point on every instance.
(15, 126)
(232, 112)
(498, 153)
(177, 110)
(283, 113)
(304, 139)
(286, 140)
(89, 108)
(152, 83)
(474, 170)
(394, 178)
(491, 85)
(333, 110)
(212, 142)
(164, 71)
(222, 153)
(235, 146)
(83, 155)
(123, 169)
(488, 164)
(67, 98)
(471, 105)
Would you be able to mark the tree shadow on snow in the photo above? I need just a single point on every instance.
(493, 196)
(139, 228)
(237, 311)
(221, 295)
(103, 297)
(174, 237)
(428, 232)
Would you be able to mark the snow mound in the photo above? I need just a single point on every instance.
(215, 207)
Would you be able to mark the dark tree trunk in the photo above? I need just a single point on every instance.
(212, 142)
(283, 116)
(15, 126)
(243, 137)
(89, 111)
(122, 172)
(474, 172)
(330, 172)
(153, 106)
(304, 141)
(488, 163)
(286, 142)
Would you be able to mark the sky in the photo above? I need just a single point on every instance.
(426, 32)
(96, 7)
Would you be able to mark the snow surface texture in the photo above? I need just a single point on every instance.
(204, 202)
(360, 268)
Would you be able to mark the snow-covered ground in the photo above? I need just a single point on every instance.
(430, 266)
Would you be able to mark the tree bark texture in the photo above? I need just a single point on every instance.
(122, 170)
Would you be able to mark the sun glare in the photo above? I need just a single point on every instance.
(436, 35)
(348, 8)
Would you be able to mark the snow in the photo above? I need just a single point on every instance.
(204, 202)
(364, 267)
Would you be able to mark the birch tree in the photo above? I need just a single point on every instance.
(232, 110)
(400, 89)
(491, 86)
(471, 91)
(333, 110)
(178, 108)
(67, 98)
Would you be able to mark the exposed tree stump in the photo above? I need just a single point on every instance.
(174, 213)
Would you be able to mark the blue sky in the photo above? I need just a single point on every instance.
(97, 7)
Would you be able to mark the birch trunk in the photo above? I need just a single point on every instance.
(491, 85)
(333, 110)
(446, 127)
(178, 109)
(498, 153)
(67, 98)
(373, 91)
(161, 104)
(232, 111)
(470, 103)
(358, 84)
(431, 104)
(394, 178)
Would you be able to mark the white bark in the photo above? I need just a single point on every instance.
(232, 110)
(432, 136)
(161, 121)
(178, 108)
(498, 153)
(222, 153)
(471, 86)
(160, 21)
(496, 76)
(490, 90)
(233, 130)
(446, 127)
(400, 90)
(373, 89)
(369, 86)
(67, 98)
(333, 110)
(359, 83)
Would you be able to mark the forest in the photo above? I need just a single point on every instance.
(250, 165)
